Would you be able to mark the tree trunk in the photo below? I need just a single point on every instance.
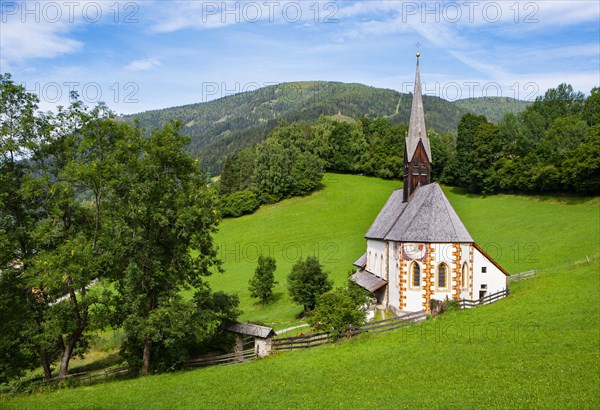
(80, 320)
(66, 353)
(65, 357)
(146, 361)
(45, 364)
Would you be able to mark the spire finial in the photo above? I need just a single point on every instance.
(418, 54)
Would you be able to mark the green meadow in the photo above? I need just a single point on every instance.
(520, 232)
(537, 348)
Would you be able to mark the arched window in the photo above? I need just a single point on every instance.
(369, 261)
(442, 279)
(464, 279)
(415, 278)
(381, 266)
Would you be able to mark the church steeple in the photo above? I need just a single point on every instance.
(417, 151)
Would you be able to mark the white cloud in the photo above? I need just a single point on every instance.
(22, 41)
(142, 65)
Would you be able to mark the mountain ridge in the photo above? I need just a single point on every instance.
(227, 124)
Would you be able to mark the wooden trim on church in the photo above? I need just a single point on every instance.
(429, 278)
(417, 171)
(471, 260)
(403, 283)
(496, 264)
(457, 253)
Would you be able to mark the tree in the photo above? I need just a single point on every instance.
(581, 170)
(336, 311)
(164, 217)
(466, 141)
(261, 284)
(52, 162)
(307, 281)
(74, 167)
(591, 108)
(238, 170)
(19, 216)
(286, 165)
(558, 102)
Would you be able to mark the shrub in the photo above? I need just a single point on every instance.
(438, 307)
(239, 203)
(336, 312)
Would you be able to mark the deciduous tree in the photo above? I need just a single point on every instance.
(307, 281)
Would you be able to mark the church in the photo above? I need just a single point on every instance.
(418, 249)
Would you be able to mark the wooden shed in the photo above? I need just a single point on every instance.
(263, 337)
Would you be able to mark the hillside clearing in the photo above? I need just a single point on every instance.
(520, 232)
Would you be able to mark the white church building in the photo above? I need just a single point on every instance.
(418, 249)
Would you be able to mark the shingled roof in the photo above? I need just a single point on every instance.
(248, 329)
(368, 281)
(362, 261)
(387, 216)
(427, 217)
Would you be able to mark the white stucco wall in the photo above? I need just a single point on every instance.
(375, 255)
(494, 278)
(394, 276)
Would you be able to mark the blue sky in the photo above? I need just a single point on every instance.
(140, 55)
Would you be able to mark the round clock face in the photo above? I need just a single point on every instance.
(414, 251)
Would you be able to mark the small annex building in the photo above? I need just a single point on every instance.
(418, 249)
(262, 335)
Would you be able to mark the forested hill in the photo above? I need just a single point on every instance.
(493, 108)
(228, 124)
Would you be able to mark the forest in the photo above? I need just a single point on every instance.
(552, 146)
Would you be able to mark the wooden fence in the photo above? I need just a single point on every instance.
(516, 277)
(243, 356)
(317, 339)
(87, 376)
(224, 359)
(468, 303)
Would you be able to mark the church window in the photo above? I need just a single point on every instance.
(381, 266)
(484, 269)
(464, 280)
(415, 280)
(442, 279)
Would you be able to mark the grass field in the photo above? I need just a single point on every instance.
(540, 347)
(520, 232)
(329, 224)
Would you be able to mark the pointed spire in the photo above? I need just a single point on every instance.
(416, 126)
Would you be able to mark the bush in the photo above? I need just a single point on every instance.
(239, 203)
(336, 312)
(438, 307)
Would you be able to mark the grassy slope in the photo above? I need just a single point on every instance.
(329, 223)
(520, 232)
(539, 347)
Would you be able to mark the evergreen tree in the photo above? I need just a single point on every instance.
(261, 284)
